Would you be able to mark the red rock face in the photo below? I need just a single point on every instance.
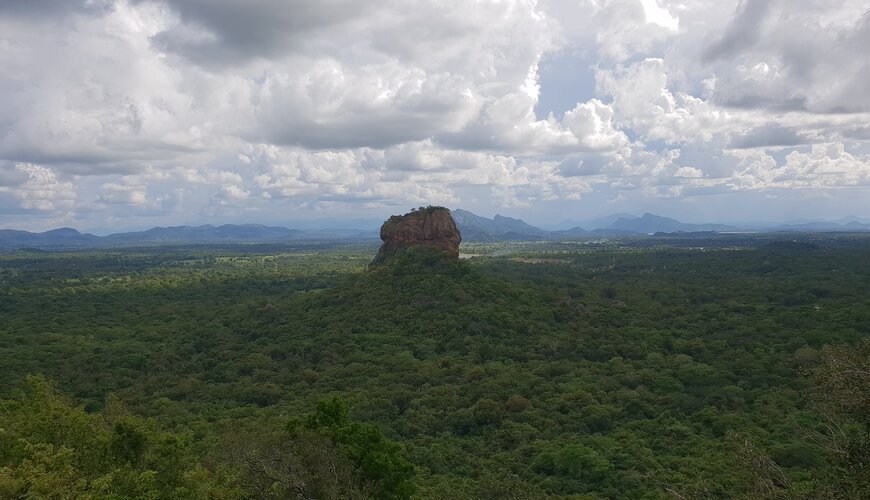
(431, 227)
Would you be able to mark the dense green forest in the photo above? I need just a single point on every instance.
(729, 367)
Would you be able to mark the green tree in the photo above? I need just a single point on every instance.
(52, 449)
(377, 459)
(582, 463)
(842, 398)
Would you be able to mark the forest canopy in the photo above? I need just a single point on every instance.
(536, 370)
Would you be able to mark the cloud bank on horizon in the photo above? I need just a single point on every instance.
(118, 113)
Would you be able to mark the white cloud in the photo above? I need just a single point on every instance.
(659, 15)
(232, 193)
(219, 108)
(626, 27)
(99, 98)
(643, 101)
(122, 194)
(36, 187)
(591, 123)
(824, 166)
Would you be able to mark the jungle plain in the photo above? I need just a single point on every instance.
(656, 367)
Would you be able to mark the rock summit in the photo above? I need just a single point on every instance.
(427, 226)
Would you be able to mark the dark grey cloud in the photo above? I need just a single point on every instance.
(767, 136)
(761, 101)
(104, 159)
(857, 87)
(786, 56)
(860, 133)
(10, 176)
(229, 31)
(356, 131)
(743, 32)
(48, 9)
(38, 7)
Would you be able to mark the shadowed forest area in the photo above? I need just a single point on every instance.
(648, 368)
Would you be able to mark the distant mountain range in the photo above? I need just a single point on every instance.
(649, 223)
(474, 228)
(228, 233)
(499, 228)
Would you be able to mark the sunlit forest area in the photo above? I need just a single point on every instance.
(650, 368)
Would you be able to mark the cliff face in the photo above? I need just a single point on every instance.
(430, 227)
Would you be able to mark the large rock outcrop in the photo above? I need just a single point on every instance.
(429, 227)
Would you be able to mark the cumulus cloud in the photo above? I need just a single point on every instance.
(86, 91)
(809, 56)
(333, 106)
(36, 187)
(644, 102)
(221, 108)
(627, 27)
(825, 165)
(122, 194)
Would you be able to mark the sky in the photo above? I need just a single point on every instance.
(126, 114)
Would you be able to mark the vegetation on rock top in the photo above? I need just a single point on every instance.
(416, 212)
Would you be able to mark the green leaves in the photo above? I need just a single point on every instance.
(50, 448)
(128, 441)
(378, 460)
(580, 462)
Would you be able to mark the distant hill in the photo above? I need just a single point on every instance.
(822, 226)
(480, 229)
(68, 238)
(650, 223)
(207, 233)
(499, 228)
(574, 232)
(63, 237)
(588, 224)
(607, 222)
